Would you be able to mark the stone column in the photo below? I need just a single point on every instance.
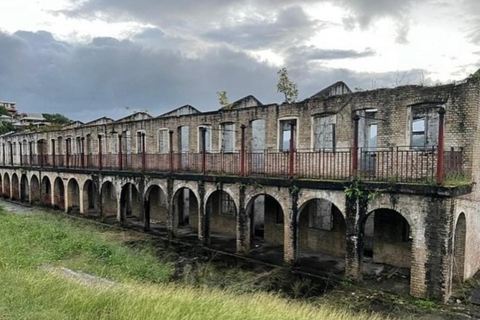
(243, 224)
(354, 239)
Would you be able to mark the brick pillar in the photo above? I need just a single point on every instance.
(20, 153)
(290, 229)
(53, 153)
(82, 153)
(120, 156)
(170, 209)
(203, 216)
(100, 152)
(243, 224)
(356, 118)
(144, 159)
(204, 150)
(441, 113)
(291, 170)
(355, 211)
(242, 151)
(30, 152)
(170, 143)
(146, 214)
(3, 153)
(11, 154)
(67, 152)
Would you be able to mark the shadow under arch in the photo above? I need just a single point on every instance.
(320, 243)
(35, 191)
(387, 248)
(46, 191)
(221, 229)
(109, 202)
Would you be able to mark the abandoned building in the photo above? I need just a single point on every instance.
(386, 176)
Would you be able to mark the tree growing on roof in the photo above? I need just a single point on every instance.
(223, 99)
(286, 86)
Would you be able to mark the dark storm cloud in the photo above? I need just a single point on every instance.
(291, 26)
(304, 53)
(106, 75)
(200, 16)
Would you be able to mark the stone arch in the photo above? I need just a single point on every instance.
(15, 187)
(47, 191)
(266, 220)
(73, 198)
(24, 189)
(214, 189)
(321, 235)
(190, 185)
(35, 196)
(388, 239)
(109, 200)
(185, 207)
(6, 186)
(59, 194)
(222, 211)
(156, 204)
(459, 247)
(90, 195)
(130, 203)
(337, 198)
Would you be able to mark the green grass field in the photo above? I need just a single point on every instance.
(33, 248)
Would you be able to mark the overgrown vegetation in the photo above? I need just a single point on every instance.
(34, 247)
(56, 119)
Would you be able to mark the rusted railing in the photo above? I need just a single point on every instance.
(395, 164)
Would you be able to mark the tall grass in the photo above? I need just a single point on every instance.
(142, 290)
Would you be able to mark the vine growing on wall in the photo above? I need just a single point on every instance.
(355, 191)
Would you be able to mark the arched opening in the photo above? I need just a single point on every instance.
(35, 190)
(131, 204)
(90, 198)
(321, 237)
(387, 249)
(15, 187)
(156, 207)
(6, 186)
(459, 249)
(59, 194)
(185, 211)
(42, 151)
(73, 196)
(24, 189)
(267, 227)
(222, 213)
(47, 191)
(109, 200)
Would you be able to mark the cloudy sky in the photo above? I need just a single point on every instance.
(89, 58)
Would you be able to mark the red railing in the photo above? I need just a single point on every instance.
(395, 164)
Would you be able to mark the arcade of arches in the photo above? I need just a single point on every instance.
(322, 233)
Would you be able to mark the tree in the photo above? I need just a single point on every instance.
(56, 118)
(223, 99)
(4, 111)
(287, 87)
(6, 127)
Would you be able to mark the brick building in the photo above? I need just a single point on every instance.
(389, 174)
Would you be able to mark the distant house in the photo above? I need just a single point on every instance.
(5, 118)
(186, 109)
(30, 119)
(10, 106)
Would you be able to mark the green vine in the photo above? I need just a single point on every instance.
(355, 191)
(294, 189)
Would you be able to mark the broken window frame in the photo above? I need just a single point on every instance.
(327, 135)
(428, 113)
(284, 125)
(208, 138)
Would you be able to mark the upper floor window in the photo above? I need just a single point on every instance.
(114, 143)
(228, 137)
(163, 143)
(208, 138)
(285, 133)
(324, 133)
(424, 126)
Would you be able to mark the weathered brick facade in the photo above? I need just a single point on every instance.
(148, 169)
